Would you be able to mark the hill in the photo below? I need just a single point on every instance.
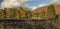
(46, 12)
(44, 9)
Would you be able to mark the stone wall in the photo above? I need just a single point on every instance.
(29, 24)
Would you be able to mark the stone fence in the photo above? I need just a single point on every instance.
(29, 24)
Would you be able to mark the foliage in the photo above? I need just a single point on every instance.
(51, 12)
(22, 13)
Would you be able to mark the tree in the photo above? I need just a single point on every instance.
(2, 15)
(28, 14)
(22, 13)
(42, 15)
(51, 12)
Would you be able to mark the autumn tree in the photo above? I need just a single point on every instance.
(2, 15)
(28, 14)
(16, 13)
(50, 12)
(22, 13)
(42, 15)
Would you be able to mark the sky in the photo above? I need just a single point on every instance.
(33, 4)
(1, 1)
(36, 3)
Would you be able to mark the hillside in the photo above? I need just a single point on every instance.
(57, 8)
(46, 12)
(41, 9)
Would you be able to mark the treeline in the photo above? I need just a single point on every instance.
(21, 13)
(14, 13)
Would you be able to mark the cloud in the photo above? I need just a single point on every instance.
(13, 3)
(40, 5)
(54, 1)
(34, 7)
